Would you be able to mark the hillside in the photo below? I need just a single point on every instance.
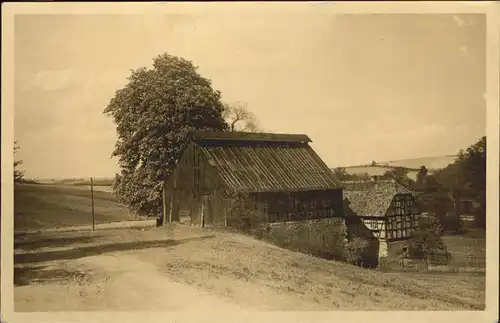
(433, 163)
(174, 267)
(50, 206)
(413, 165)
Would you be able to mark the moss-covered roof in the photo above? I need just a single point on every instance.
(371, 198)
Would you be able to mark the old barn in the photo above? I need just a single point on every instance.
(280, 173)
(384, 208)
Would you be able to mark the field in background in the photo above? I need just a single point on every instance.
(43, 206)
(100, 181)
(467, 251)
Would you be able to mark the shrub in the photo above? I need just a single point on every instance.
(355, 251)
(426, 238)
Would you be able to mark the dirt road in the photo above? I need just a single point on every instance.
(116, 283)
(182, 268)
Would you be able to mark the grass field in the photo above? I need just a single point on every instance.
(52, 206)
(467, 251)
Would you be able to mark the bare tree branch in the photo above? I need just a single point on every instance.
(239, 117)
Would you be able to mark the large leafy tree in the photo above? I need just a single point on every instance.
(153, 114)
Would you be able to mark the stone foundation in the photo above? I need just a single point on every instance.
(322, 237)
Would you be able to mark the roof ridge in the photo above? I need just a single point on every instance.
(248, 136)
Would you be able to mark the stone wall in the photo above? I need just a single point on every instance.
(324, 238)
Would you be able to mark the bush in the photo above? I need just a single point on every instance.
(355, 251)
(426, 238)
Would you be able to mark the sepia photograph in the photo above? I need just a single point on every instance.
(287, 157)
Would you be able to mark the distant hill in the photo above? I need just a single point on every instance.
(434, 163)
(413, 165)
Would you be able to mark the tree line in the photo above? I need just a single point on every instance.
(443, 191)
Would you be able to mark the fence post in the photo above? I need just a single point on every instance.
(92, 197)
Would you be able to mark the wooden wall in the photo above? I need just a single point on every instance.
(300, 205)
(194, 187)
(402, 218)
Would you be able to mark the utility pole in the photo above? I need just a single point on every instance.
(92, 197)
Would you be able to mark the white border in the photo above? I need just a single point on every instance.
(489, 8)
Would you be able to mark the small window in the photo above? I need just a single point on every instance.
(374, 224)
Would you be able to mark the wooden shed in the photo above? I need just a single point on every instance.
(281, 173)
(385, 207)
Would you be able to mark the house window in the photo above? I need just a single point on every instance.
(374, 224)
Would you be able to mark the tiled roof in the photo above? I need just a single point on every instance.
(372, 198)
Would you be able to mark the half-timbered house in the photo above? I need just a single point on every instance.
(385, 208)
(280, 173)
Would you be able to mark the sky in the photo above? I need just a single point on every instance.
(363, 87)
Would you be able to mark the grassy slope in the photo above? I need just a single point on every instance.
(231, 258)
(240, 269)
(50, 206)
